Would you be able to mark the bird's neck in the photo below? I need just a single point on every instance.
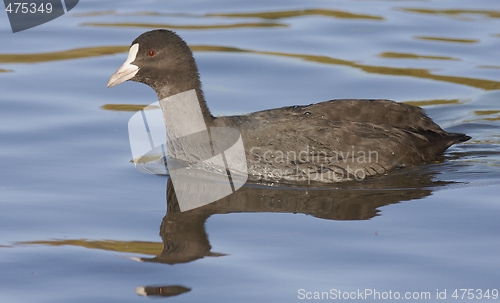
(171, 88)
(188, 136)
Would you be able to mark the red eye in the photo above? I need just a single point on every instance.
(151, 52)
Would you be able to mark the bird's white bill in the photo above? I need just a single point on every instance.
(127, 71)
(141, 291)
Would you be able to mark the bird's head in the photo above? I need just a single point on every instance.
(162, 60)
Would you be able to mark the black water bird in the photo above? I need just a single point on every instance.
(330, 141)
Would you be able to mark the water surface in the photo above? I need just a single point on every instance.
(79, 223)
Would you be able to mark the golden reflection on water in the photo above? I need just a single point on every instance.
(433, 102)
(132, 14)
(194, 27)
(136, 247)
(454, 12)
(486, 112)
(76, 53)
(394, 55)
(493, 115)
(95, 14)
(297, 13)
(443, 39)
(128, 107)
(382, 70)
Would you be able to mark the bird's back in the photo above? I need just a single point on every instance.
(338, 140)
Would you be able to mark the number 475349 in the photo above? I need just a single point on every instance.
(471, 294)
(25, 8)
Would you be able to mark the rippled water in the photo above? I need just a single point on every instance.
(76, 217)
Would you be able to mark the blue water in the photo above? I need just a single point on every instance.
(76, 216)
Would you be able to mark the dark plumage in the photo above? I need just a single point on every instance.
(329, 141)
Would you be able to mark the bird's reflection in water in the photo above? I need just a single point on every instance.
(185, 239)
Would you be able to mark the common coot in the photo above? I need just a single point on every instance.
(330, 141)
